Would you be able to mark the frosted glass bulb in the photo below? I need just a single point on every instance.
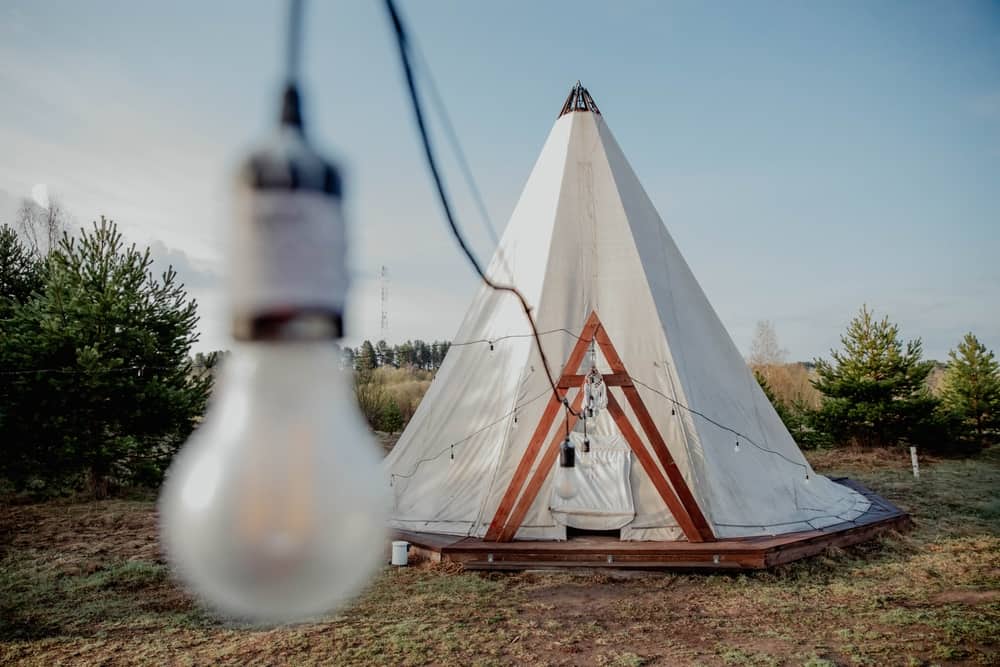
(275, 510)
(566, 487)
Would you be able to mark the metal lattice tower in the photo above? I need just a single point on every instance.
(383, 276)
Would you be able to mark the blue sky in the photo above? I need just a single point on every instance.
(806, 157)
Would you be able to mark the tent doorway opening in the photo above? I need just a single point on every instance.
(583, 534)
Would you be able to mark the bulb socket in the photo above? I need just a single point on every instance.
(567, 454)
(298, 324)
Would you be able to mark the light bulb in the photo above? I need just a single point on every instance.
(566, 486)
(274, 510)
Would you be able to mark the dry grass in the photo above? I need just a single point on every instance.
(83, 584)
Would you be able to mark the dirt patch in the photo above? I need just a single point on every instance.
(856, 458)
(958, 596)
(83, 534)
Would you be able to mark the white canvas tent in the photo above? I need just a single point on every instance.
(590, 253)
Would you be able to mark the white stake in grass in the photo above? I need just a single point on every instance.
(913, 460)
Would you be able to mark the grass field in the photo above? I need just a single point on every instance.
(83, 583)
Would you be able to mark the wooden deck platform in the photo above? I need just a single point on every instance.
(605, 551)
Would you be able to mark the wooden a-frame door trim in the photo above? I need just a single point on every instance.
(676, 495)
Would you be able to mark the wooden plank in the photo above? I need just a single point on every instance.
(655, 439)
(523, 468)
(510, 496)
(841, 538)
(541, 472)
(671, 500)
(610, 379)
(594, 550)
(669, 466)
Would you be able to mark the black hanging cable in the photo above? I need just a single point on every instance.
(293, 43)
(403, 43)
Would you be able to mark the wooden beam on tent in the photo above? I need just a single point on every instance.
(540, 434)
(541, 473)
(666, 492)
(667, 461)
(655, 439)
(610, 379)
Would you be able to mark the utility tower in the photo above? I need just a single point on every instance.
(383, 276)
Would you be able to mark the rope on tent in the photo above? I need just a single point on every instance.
(462, 441)
(742, 436)
(493, 341)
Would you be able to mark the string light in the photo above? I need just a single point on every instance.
(405, 47)
(737, 446)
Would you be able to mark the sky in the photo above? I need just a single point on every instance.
(807, 158)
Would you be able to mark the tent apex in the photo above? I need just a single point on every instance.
(579, 100)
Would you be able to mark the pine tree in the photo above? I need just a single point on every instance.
(367, 359)
(384, 354)
(874, 391)
(104, 386)
(390, 418)
(20, 271)
(971, 392)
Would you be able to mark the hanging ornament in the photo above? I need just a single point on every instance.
(595, 393)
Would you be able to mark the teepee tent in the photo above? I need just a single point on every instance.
(683, 444)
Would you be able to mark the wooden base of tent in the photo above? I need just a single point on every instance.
(609, 552)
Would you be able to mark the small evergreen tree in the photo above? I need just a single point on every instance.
(102, 383)
(874, 391)
(20, 271)
(971, 391)
(796, 416)
(367, 359)
(390, 418)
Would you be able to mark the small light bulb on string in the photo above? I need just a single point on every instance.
(807, 477)
(737, 447)
(491, 346)
(453, 452)
(672, 412)
(566, 486)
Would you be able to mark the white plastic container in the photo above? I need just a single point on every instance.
(400, 553)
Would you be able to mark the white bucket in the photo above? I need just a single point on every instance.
(399, 552)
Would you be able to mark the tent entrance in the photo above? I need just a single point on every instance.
(602, 478)
(582, 534)
(658, 464)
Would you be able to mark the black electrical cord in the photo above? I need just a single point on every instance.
(403, 43)
(293, 43)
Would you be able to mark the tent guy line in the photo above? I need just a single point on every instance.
(491, 341)
(462, 441)
(715, 423)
